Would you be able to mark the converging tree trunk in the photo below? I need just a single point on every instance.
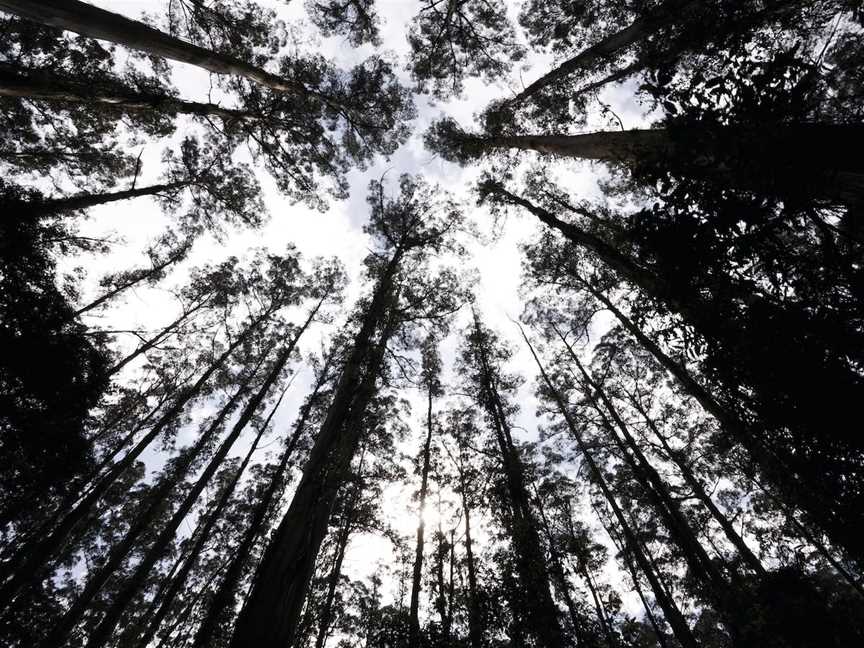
(269, 617)
(670, 610)
(34, 558)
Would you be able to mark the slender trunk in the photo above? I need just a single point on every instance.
(670, 610)
(542, 617)
(83, 201)
(699, 491)
(174, 257)
(87, 20)
(628, 561)
(564, 588)
(414, 622)
(155, 503)
(715, 586)
(447, 623)
(223, 599)
(127, 593)
(156, 339)
(35, 558)
(269, 618)
(475, 622)
(50, 88)
(336, 571)
(611, 46)
(154, 618)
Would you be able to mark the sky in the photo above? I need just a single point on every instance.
(338, 232)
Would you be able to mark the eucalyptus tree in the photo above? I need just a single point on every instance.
(273, 283)
(459, 39)
(407, 231)
(356, 20)
(481, 361)
(310, 122)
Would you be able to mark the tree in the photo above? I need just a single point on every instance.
(460, 39)
(481, 359)
(407, 234)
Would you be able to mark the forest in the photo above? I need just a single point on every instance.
(431, 323)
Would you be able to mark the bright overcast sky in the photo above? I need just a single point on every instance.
(338, 232)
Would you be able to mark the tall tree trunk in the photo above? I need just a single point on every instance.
(701, 316)
(715, 586)
(670, 610)
(87, 20)
(83, 201)
(175, 256)
(336, 570)
(413, 620)
(621, 546)
(695, 485)
(51, 88)
(611, 46)
(269, 618)
(222, 601)
(564, 587)
(542, 617)
(827, 153)
(122, 599)
(153, 505)
(173, 583)
(34, 558)
(475, 621)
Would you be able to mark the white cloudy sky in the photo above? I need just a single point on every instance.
(338, 232)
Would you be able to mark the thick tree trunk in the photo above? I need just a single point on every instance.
(34, 558)
(161, 604)
(83, 201)
(175, 256)
(222, 602)
(670, 610)
(414, 622)
(269, 617)
(49, 88)
(542, 616)
(87, 20)
(825, 156)
(124, 597)
(341, 546)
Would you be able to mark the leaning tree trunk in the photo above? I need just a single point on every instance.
(31, 560)
(83, 201)
(698, 489)
(156, 501)
(174, 257)
(122, 599)
(174, 582)
(702, 317)
(542, 615)
(87, 20)
(715, 586)
(825, 158)
(223, 599)
(413, 621)
(271, 613)
(50, 88)
(611, 46)
(670, 610)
